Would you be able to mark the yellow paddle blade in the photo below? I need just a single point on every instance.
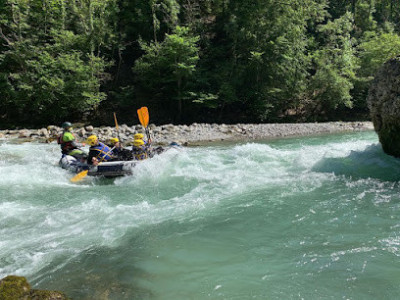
(116, 123)
(143, 115)
(79, 176)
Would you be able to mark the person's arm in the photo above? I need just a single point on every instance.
(76, 144)
(69, 137)
(92, 154)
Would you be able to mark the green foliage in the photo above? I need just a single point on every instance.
(50, 63)
(208, 60)
(335, 66)
(207, 99)
(375, 49)
(167, 67)
(388, 11)
(364, 15)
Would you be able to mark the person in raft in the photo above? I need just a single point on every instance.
(98, 152)
(147, 144)
(140, 136)
(68, 143)
(139, 150)
(119, 151)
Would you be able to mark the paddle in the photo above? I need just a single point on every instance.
(143, 114)
(116, 125)
(83, 174)
(79, 176)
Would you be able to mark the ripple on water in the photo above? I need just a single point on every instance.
(295, 218)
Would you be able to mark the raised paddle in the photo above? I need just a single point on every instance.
(143, 114)
(116, 124)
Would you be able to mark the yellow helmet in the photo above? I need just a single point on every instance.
(113, 141)
(138, 143)
(138, 136)
(92, 140)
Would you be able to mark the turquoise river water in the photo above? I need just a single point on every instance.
(300, 218)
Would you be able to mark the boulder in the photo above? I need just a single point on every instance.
(14, 287)
(89, 128)
(130, 130)
(384, 105)
(43, 132)
(24, 133)
(81, 132)
(17, 287)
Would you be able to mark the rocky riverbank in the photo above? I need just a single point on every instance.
(190, 134)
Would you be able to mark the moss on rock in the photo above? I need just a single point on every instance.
(14, 287)
(17, 288)
(47, 295)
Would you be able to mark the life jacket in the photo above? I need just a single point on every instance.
(140, 153)
(66, 147)
(104, 152)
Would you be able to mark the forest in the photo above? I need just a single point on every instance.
(215, 61)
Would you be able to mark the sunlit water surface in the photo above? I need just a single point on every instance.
(313, 218)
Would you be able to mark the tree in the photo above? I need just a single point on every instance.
(167, 67)
(375, 49)
(51, 58)
(335, 65)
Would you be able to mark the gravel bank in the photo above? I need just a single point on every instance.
(191, 134)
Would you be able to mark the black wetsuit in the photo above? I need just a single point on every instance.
(123, 154)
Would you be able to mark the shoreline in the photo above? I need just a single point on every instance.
(190, 135)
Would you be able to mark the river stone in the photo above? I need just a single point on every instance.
(43, 132)
(81, 132)
(130, 130)
(24, 133)
(384, 105)
(17, 287)
(89, 128)
(123, 137)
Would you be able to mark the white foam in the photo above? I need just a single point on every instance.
(50, 217)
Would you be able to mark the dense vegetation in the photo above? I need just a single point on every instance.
(191, 60)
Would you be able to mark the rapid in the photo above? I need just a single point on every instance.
(300, 218)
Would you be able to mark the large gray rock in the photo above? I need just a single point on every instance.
(384, 105)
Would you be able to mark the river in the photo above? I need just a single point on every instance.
(300, 218)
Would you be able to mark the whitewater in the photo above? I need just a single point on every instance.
(296, 218)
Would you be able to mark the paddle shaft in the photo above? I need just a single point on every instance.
(143, 114)
(116, 125)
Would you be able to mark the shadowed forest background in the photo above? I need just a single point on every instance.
(191, 60)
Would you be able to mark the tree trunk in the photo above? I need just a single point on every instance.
(179, 82)
(91, 27)
(153, 13)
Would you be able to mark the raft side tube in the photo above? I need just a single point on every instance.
(112, 168)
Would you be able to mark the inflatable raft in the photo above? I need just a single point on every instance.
(106, 169)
